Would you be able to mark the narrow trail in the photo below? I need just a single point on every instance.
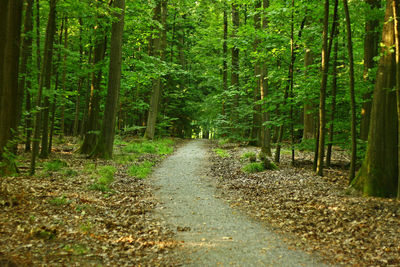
(214, 234)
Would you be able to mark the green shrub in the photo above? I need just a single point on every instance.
(142, 170)
(221, 153)
(253, 167)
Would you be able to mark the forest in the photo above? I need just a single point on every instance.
(97, 89)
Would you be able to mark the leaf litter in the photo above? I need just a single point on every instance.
(317, 214)
(54, 218)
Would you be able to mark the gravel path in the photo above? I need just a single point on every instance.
(214, 234)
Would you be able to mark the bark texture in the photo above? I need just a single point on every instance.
(379, 173)
(104, 147)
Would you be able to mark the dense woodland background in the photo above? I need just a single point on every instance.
(317, 75)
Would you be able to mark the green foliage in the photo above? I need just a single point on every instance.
(141, 170)
(253, 167)
(106, 177)
(222, 153)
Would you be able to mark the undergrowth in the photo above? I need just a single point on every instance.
(222, 153)
(141, 170)
(253, 167)
(106, 177)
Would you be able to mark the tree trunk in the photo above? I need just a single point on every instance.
(80, 83)
(225, 60)
(308, 113)
(24, 83)
(104, 147)
(9, 62)
(235, 70)
(256, 125)
(322, 97)
(395, 8)
(333, 105)
(378, 175)
(26, 55)
(371, 43)
(45, 78)
(64, 82)
(160, 15)
(92, 126)
(352, 95)
(265, 134)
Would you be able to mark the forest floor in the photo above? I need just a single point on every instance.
(82, 212)
(316, 214)
(196, 209)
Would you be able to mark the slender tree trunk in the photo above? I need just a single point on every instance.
(235, 69)
(333, 105)
(395, 7)
(80, 83)
(46, 144)
(64, 82)
(56, 73)
(160, 15)
(378, 175)
(90, 139)
(10, 46)
(225, 60)
(45, 78)
(104, 147)
(38, 53)
(308, 113)
(352, 96)
(371, 43)
(322, 97)
(289, 86)
(26, 56)
(256, 125)
(24, 83)
(265, 134)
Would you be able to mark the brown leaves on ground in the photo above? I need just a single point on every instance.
(320, 212)
(55, 219)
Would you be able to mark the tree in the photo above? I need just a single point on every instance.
(104, 147)
(371, 43)
(352, 95)
(157, 50)
(378, 175)
(10, 35)
(45, 78)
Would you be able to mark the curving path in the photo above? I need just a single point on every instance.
(214, 234)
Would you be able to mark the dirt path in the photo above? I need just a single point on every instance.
(214, 234)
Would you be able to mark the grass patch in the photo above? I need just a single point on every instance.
(76, 249)
(253, 167)
(248, 155)
(142, 170)
(160, 147)
(54, 165)
(59, 201)
(106, 177)
(69, 172)
(221, 153)
(125, 158)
